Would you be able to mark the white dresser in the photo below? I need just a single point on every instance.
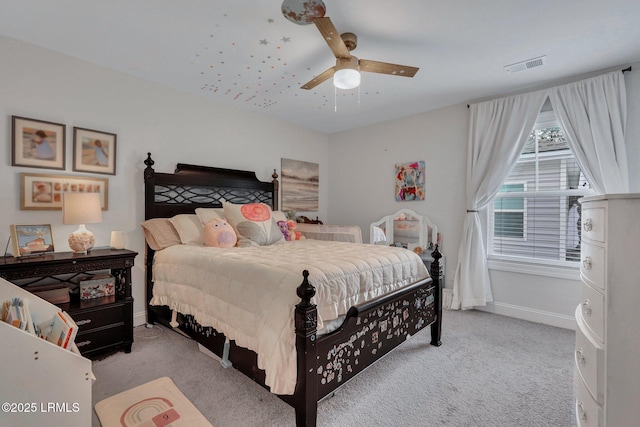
(608, 335)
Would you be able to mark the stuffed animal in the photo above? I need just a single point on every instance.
(285, 230)
(294, 235)
(219, 233)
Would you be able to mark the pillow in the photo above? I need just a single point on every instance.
(160, 233)
(207, 214)
(254, 224)
(189, 228)
(279, 216)
(218, 233)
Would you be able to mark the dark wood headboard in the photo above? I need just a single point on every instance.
(191, 187)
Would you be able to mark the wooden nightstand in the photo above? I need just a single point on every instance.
(105, 322)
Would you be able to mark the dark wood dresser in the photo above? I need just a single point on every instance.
(104, 322)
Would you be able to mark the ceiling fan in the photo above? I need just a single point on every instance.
(346, 72)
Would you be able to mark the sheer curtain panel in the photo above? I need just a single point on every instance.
(593, 113)
(497, 132)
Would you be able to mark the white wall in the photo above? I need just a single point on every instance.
(361, 185)
(173, 126)
(361, 191)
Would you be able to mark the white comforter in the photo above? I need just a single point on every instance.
(249, 294)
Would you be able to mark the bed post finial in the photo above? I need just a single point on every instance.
(148, 171)
(305, 291)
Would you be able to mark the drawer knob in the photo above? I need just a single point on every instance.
(580, 356)
(588, 224)
(586, 308)
(582, 413)
(586, 263)
(83, 322)
(83, 343)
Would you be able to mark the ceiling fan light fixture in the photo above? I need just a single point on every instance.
(346, 74)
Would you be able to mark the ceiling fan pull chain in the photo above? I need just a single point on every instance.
(335, 99)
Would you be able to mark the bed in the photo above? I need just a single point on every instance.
(324, 353)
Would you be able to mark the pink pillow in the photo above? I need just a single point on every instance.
(218, 233)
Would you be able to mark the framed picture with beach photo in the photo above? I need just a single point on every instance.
(37, 143)
(94, 151)
(44, 192)
(31, 239)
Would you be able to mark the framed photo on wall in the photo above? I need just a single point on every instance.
(37, 144)
(44, 192)
(31, 239)
(94, 151)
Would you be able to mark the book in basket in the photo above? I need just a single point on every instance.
(63, 330)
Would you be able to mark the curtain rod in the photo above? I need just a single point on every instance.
(623, 70)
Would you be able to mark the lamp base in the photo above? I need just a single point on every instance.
(81, 241)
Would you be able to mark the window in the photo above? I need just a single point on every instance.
(509, 212)
(536, 215)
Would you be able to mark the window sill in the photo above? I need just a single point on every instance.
(536, 268)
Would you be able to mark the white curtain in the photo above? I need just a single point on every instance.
(593, 113)
(497, 133)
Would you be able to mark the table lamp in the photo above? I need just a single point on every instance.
(81, 208)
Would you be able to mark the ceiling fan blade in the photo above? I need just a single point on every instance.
(387, 68)
(325, 75)
(332, 37)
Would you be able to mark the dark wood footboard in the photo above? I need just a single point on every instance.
(369, 332)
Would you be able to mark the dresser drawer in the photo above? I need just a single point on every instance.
(98, 317)
(592, 310)
(589, 357)
(593, 264)
(588, 412)
(98, 339)
(593, 224)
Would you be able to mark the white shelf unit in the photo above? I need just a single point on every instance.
(52, 383)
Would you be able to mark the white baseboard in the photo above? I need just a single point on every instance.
(139, 318)
(530, 314)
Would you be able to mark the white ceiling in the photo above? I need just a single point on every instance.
(246, 54)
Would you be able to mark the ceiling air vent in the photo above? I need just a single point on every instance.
(525, 65)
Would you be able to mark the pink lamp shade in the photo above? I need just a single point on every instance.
(81, 209)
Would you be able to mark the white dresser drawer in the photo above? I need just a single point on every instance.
(594, 223)
(592, 309)
(589, 357)
(588, 412)
(593, 264)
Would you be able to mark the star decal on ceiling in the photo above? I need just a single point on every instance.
(264, 42)
(285, 39)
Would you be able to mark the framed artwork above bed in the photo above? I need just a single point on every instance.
(300, 182)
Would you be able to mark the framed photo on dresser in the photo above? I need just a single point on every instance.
(31, 239)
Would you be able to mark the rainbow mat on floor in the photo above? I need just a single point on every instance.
(158, 403)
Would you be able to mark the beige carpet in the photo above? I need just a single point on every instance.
(491, 371)
(157, 403)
